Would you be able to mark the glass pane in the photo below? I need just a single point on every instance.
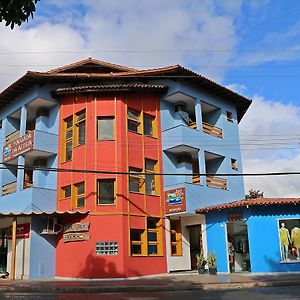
(69, 150)
(152, 249)
(133, 126)
(67, 191)
(136, 234)
(69, 134)
(173, 237)
(81, 133)
(133, 115)
(151, 223)
(106, 192)
(80, 202)
(69, 122)
(81, 116)
(148, 125)
(152, 236)
(174, 249)
(106, 129)
(150, 184)
(136, 249)
(80, 188)
(150, 164)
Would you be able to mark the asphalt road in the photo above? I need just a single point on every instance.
(272, 293)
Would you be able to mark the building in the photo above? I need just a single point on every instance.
(263, 235)
(81, 145)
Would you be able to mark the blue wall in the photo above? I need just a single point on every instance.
(263, 237)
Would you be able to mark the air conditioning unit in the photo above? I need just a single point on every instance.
(50, 226)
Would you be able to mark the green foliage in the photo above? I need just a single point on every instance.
(212, 260)
(15, 12)
(201, 261)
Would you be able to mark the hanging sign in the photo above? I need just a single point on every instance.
(19, 146)
(77, 227)
(23, 231)
(175, 201)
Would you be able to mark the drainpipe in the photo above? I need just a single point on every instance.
(13, 249)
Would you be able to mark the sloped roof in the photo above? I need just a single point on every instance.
(250, 202)
(48, 213)
(91, 71)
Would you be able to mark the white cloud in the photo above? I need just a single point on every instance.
(270, 139)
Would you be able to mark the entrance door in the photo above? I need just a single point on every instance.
(3, 249)
(238, 246)
(195, 243)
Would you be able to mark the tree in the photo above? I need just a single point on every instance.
(253, 194)
(15, 12)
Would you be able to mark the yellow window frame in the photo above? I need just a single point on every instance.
(80, 120)
(176, 231)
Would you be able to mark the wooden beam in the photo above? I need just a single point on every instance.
(13, 249)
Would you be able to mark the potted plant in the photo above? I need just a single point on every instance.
(212, 263)
(201, 262)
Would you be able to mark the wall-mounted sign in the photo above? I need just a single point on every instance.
(77, 227)
(175, 201)
(76, 236)
(19, 146)
(237, 216)
(23, 231)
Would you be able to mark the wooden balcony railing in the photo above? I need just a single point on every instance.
(9, 188)
(196, 179)
(12, 136)
(212, 130)
(216, 182)
(193, 125)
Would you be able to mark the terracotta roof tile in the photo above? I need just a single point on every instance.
(250, 202)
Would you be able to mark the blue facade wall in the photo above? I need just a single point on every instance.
(42, 252)
(263, 237)
(175, 132)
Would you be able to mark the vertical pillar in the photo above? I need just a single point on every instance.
(198, 114)
(13, 249)
(20, 173)
(23, 120)
(202, 167)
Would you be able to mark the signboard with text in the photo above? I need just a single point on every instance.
(17, 147)
(22, 231)
(175, 201)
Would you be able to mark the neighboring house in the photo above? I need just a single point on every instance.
(264, 235)
(114, 127)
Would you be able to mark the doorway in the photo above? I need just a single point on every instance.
(238, 246)
(195, 243)
(3, 249)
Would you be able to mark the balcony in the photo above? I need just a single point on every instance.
(212, 130)
(196, 179)
(216, 182)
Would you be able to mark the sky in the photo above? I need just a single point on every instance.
(250, 46)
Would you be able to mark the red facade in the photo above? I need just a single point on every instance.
(132, 213)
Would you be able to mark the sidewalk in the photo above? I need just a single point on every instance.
(165, 282)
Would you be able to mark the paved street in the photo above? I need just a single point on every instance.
(270, 293)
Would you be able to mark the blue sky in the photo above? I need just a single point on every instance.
(251, 46)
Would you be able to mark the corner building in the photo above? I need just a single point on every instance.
(82, 147)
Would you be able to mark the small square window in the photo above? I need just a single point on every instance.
(105, 128)
(229, 116)
(106, 191)
(66, 191)
(234, 164)
(148, 125)
(133, 118)
(136, 180)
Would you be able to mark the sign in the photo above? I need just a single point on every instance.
(77, 227)
(18, 146)
(23, 231)
(175, 201)
(238, 216)
(76, 236)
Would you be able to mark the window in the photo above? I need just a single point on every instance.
(80, 195)
(80, 128)
(150, 177)
(148, 125)
(137, 245)
(136, 180)
(133, 118)
(68, 137)
(234, 164)
(66, 192)
(154, 236)
(107, 248)
(229, 116)
(105, 128)
(176, 237)
(106, 191)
